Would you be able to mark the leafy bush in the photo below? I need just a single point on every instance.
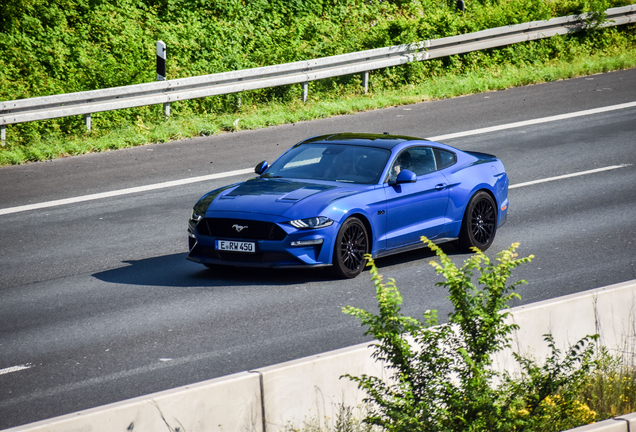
(442, 375)
(60, 46)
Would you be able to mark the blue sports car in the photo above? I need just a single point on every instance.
(331, 199)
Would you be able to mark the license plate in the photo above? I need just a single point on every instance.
(235, 246)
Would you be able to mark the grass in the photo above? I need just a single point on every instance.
(346, 420)
(320, 106)
(611, 390)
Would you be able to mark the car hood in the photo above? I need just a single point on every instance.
(288, 198)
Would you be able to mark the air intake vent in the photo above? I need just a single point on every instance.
(240, 229)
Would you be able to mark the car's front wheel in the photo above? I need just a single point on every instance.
(352, 243)
(480, 223)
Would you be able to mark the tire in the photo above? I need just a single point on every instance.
(479, 225)
(352, 243)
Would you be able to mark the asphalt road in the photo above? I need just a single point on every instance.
(100, 305)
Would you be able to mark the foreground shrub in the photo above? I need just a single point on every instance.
(442, 375)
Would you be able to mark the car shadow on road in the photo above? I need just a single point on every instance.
(174, 270)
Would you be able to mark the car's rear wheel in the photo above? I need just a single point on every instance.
(352, 243)
(480, 223)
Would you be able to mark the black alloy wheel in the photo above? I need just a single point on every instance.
(480, 223)
(352, 243)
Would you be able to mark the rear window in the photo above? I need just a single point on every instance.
(444, 158)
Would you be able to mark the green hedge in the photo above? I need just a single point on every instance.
(59, 46)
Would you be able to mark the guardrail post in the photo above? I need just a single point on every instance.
(3, 134)
(87, 121)
(365, 81)
(305, 91)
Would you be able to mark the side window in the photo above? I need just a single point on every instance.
(444, 158)
(420, 160)
(423, 161)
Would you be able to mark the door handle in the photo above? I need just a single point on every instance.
(440, 186)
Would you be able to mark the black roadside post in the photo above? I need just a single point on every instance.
(460, 5)
(161, 61)
(161, 71)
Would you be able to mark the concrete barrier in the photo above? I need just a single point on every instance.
(624, 423)
(609, 312)
(310, 391)
(604, 426)
(231, 403)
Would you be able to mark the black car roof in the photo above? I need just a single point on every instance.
(362, 139)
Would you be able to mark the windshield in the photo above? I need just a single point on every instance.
(335, 162)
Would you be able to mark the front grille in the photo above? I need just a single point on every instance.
(231, 228)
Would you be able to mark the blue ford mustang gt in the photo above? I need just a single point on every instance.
(331, 199)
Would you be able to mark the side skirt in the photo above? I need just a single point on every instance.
(410, 247)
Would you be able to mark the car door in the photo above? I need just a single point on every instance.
(416, 209)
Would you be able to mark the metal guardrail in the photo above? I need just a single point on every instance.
(301, 72)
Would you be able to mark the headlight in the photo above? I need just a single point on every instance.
(312, 223)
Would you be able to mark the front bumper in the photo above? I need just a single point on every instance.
(503, 213)
(278, 253)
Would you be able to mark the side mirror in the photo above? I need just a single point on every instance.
(261, 167)
(406, 176)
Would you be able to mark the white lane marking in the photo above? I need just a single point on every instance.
(124, 191)
(239, 350)
(15, 368)
(534, 122)
(147, 188)
(577, 174)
